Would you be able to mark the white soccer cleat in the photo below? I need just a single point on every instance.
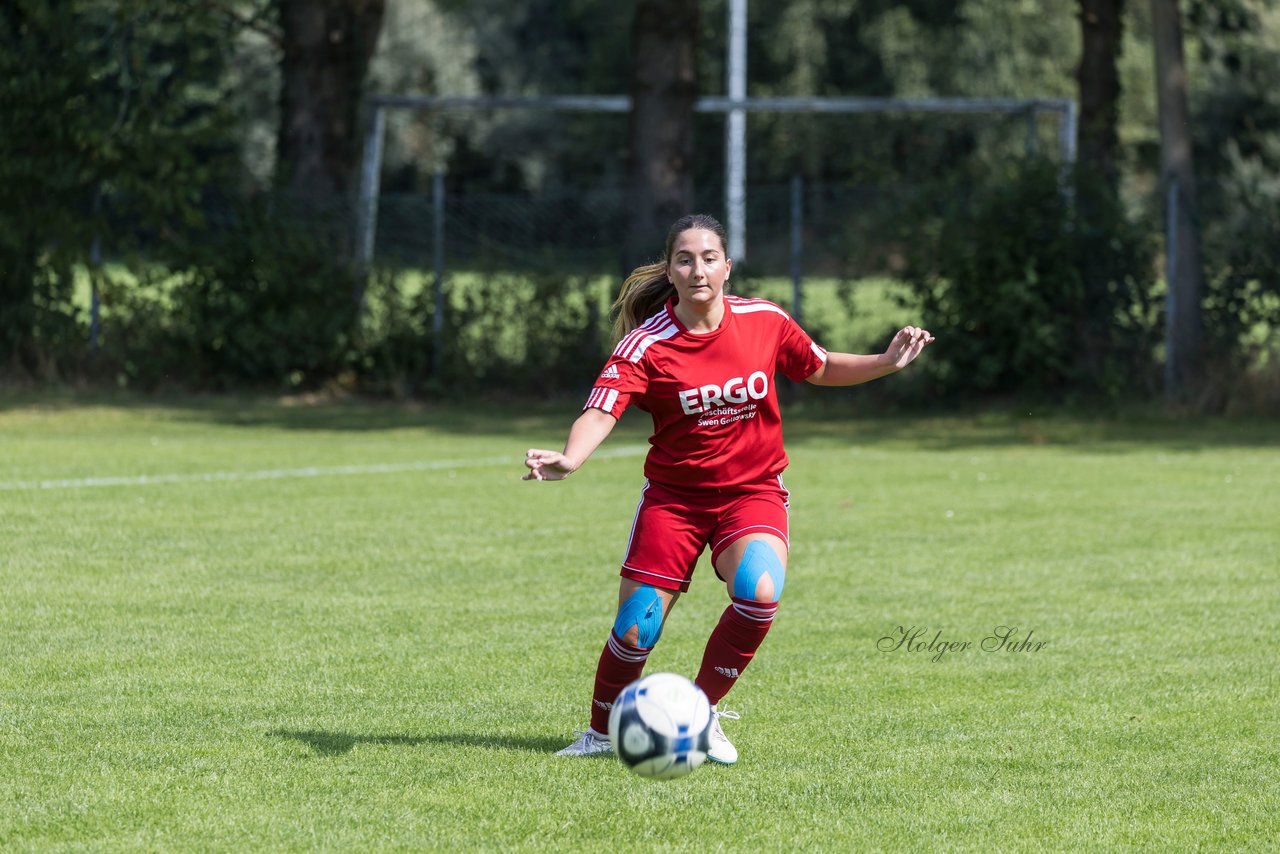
(722, 750)
(589, 743)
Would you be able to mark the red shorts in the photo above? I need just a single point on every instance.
(673, 526)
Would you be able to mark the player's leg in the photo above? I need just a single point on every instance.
(642, 611)
(750, 556)
(754, 569)
(663, 549)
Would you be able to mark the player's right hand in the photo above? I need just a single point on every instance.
(546, 465)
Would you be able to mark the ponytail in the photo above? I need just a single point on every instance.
(643, 293)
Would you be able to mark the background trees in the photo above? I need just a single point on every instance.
(1101, 32)
(1178, 180)
(326, 48)
(179, 143)
(664, 85)
(113, 130)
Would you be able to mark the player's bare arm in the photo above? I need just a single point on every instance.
(843, 369)
(586, 434)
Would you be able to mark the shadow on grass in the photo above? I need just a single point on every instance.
(824, 416)
(1097, 434)
(327, 743)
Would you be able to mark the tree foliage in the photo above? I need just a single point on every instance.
(147, 128)
(112, 132)
(1238, 145)
(1035, 292)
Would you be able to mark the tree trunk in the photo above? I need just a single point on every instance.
(1178, 179)
(1101, 29)
(327, 48)
(664, 38)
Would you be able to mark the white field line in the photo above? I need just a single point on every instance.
(516, 464)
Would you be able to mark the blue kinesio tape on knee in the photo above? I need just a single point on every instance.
(758, 561)
(642, 609)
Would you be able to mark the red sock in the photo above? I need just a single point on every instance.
(732, 644)
(620, 665)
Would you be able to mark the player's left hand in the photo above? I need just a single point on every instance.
(906, 345)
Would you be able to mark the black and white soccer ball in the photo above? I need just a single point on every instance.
(660, 726)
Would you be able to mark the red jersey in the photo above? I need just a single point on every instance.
(713, 397)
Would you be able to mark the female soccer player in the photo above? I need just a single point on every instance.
(702, 363)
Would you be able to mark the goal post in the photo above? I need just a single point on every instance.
(366, 209)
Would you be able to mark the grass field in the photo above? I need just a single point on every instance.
(247, 625)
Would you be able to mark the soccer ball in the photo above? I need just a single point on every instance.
(660, 726)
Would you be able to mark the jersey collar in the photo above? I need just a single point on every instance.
(725, 321)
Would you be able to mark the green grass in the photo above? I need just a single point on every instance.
(387, 658)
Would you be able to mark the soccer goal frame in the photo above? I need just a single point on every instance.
(735, 110)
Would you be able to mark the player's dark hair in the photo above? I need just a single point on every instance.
(648, 287)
